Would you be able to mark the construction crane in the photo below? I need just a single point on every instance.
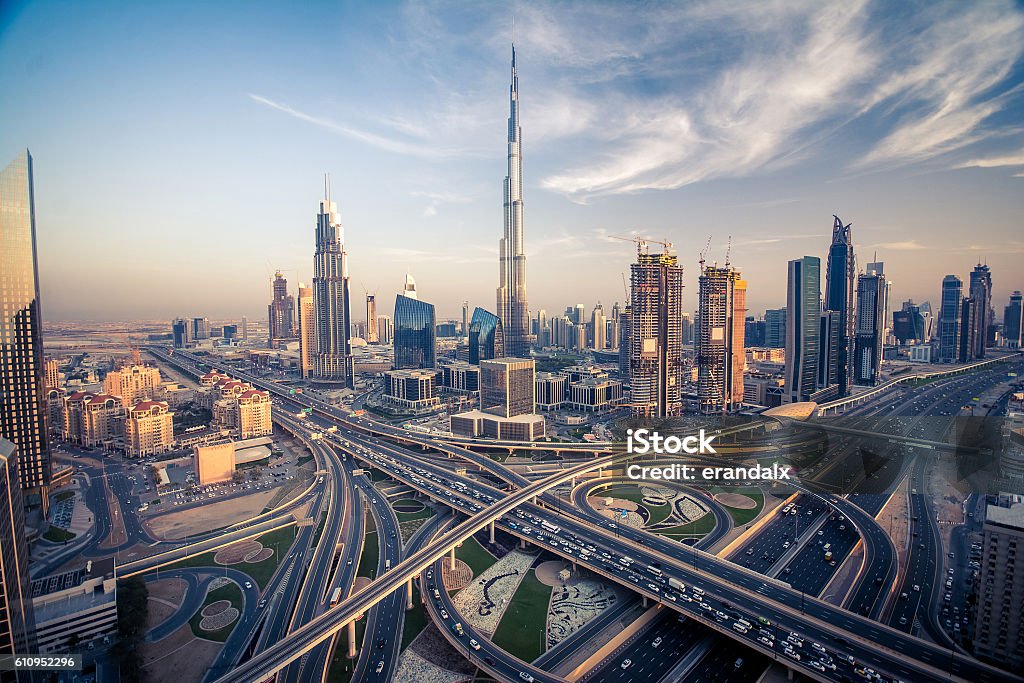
(642, 242)
(704, 253)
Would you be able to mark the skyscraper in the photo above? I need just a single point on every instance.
(307, 331)
(281, 311)
(385, 329)
(803, 321)
(415, 334)
(872, 294)
(1012, 326)
(512, 307)
(507, 386)
(839, 282)
(409, 288)
(333, 361)
(981, 292)
(775, 328)
(16, 623)
(200, 328)
(908, 323)
(613, 327)
(371, 319)
(949, 319)
(245, 328)
(597, 325)
(486, 337)
(655, 324)
(999, 623)
(721, 320)
(465, 319)
(22, 379)
(180, 333)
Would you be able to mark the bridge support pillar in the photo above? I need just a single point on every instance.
(352, 639)
(789, 674)
(452, 560)
(572, 482)
(522, 543)
(645, 601)
(492, 532)
(408, 594)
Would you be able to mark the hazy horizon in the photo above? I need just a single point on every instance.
(180, 151)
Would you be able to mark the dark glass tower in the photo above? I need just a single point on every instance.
(840, 274)
(803, 327)
(332, 363)
(16, 623)
(486, 337)
(871, 307)
(415, 334)
(981, 292)
(22, 398)
(949, 319)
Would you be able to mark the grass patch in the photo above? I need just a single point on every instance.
(320, 528)
(339, 669)
(521, 631)
(426, 513)
(58, 535)
(230, 592)
(741, 517)
(370, 557)
(416, 619)
(278, 539)
(697, 527)
(64, 495)
(473, 554)
(656, 513)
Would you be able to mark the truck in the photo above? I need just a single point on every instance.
(676, 583)
(457, 629)
(301, 415)
(332, 429)
(335, 597)
(828, 555)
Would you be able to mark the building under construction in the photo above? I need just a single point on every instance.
(722, 311)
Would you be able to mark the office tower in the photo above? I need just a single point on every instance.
(415, 334)
(372, 337)
(999, 624)
(579, 341)
(230, 332)
(200, 328)
(775, 328)
(507, 386)
(385, 329)
(981, 292)
(486, 337)
(839, 279)
(949, 319)
(721, 319)
(1012, 327)
(614, 323)
(409, 288)
(332, 364)
(245, 328)
(52, 373)
(872, 290)
(969, 314)
(803, 321)
(22, 394)
(307, 331)
(579, 314)
(180, 333)
(281, 311)
(655, 349)
(625, 334)
(597, 325)
(753, 332)
(17, 625)
(465, 319)
(908, 324)
(512, 306)
(133, 383)
(830, 333)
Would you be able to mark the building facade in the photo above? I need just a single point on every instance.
(1013, 332)
(372, 337)
(949, 319)
(803, 327)
(981, 292)
(180, 334)
(280, 312)
(999, 622)
(75, 607)
(839, 287)
(148, 429)
(414, 390)
(775, 328)
(133, 383)
(721, 323)
(415, 334)
(17, 622)
(486, 337)
(655, 326)
(550, 390)
(507, 386)
(872, 293)
(214, 463)
(307, 331)
(332, 363)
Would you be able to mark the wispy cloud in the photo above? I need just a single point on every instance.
(906, 245)
(995, 162)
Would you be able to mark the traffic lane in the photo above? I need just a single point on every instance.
(650, 662)
(726, 662)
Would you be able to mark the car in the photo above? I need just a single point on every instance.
(381, 643)
(473, 643)
(656, 642)
(786, 544)
(626, 663)
(248, 584)
(380, 666)
(444, 614)
(917, 588)
(525, 676)
(263, 603)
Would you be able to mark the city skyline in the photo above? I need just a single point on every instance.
(924, 164)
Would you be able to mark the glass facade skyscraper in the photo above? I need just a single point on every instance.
(22, 378)
(949, 319)
(803, 327)
(415, 334)
(839, 284)
(872, 294)
(16, 623)
(332, 363)
(486, 337)
(507, 386)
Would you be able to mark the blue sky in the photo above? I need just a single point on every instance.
(180, 147)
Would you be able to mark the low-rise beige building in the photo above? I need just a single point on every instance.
(92, 420)
(148, 429)
(214, 463)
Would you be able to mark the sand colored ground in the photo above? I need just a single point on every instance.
(458, 578)
(736, 500)
(606, 505)
(164, 599)
(213, 515)
(237, 552)
(178, 657)
(547, 573)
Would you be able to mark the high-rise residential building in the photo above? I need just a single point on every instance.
(281, 311)
(949, 319)
(385, 329)
(486, 337)
(513, 310)
(872, 293)
(969, 314)
(415, 334)
(245, 328)
(613, 327)
(22, 380)
(307, 331)
(372, 337)
(981, 292)
(332, 363)
(655, 347)
(507, 386)
(52, 373)
(200, 328)
(148, 429)
(775, 328)
(625, 335)
(180, 333)
(803, 327)
(247, 413)
(92, 420)
(721, 320)
(465, 319)
(1013, 330)
(999, 622)
(17, 625)
(597, 325)
(133, 383)
(830, 333)
(839, 287)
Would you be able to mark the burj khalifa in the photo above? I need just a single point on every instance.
(512, 307)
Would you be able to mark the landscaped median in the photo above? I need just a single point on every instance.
(259, 558)
(220, 611)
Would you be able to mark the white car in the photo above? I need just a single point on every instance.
(626, 663)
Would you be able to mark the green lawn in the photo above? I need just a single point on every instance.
(741, 517)
(230, 592)
(521, 631)
(426, 513)
(697, 527)
(473, 554)
(58, 535)
(658, 513)
(416, 619)
(370, 557)
(279, 539)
